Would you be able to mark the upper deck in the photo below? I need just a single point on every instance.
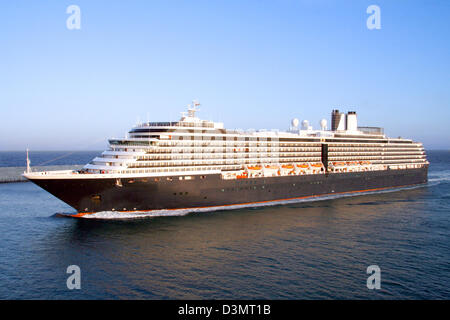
(192, 145)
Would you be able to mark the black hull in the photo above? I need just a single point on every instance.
(142, 194)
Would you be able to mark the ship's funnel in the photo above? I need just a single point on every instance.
(338, 121)
(352, 121)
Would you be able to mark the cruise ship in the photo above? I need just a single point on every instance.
(194, 163)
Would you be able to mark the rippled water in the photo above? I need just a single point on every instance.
(307, 250)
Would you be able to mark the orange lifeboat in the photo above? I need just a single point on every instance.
(317, 165)
(288, 166)
(254, 168)
(339, 163)
(302, 166)
(242, 176)
(271, 167)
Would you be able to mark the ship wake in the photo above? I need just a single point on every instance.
(435, 178)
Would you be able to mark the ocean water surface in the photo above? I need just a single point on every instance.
(305, 250)
(41, 158)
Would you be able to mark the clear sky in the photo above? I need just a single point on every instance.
(252, 64)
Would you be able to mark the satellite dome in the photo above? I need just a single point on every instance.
(295, 122)
(305, 124)
(323, 124)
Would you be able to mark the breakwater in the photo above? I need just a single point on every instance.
(14, 174)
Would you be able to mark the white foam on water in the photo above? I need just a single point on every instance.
(183, 212)
(136, 214)
(440, 176)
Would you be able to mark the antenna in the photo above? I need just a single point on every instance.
(192, 109)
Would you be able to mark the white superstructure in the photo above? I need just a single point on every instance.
(193, 146)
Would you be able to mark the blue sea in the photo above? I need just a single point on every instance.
(307, 250)
(42, 158)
